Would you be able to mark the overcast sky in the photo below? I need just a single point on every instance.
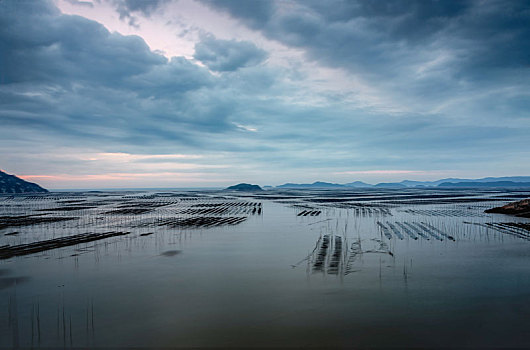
(132, 93)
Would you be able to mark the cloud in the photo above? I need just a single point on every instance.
(143, 6)
(172, 79)
(68, 48)
(255, 13)
(227, 55)
(383, 172)
(417, 53)
(349, 27)
(70, 77)
(120, 156)
(81, 3)
(246, 127)
(71, 87)
(127, 8)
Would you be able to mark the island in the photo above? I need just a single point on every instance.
(244, 188)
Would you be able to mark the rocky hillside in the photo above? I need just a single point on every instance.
(13, 184)
(521, 208)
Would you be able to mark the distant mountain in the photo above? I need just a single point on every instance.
(317, 184)
(245, 187)
(410, 183)
(358, 184)
(325, 184)
(13, 184)
(500, 184)
(506, 181)
(390, 185)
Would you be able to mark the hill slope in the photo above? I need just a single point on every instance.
(13, 184)
(521, 208)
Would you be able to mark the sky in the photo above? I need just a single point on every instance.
(138, 93)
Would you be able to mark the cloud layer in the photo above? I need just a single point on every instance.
(337, 91)
(228, 55)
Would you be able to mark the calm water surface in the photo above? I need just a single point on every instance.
(176, 283)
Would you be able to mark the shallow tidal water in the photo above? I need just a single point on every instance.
(222, 269)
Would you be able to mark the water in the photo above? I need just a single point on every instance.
(257, 282)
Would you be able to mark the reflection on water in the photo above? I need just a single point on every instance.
(278, 268)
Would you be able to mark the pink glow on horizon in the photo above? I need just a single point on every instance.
(389, 172)
(110, 176)
(126, 180)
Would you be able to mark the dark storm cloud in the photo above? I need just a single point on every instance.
(64, 49)
(384, 38)
(71, 77)
(227, 55)
(172, 79)
(255, 13)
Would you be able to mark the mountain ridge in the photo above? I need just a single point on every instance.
(13, 184)
(504, 181)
